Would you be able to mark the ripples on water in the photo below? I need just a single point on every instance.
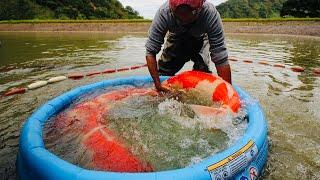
(290, 100)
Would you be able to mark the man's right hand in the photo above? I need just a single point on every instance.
(153, 69)
(163, 88)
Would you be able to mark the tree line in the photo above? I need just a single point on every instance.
(65, 9)
(113, 9)
(269, 8)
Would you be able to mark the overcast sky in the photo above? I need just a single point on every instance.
(147, 8)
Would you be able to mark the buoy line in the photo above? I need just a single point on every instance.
(78, 76)
(73, 76)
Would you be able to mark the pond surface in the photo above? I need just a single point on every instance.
(291, 100)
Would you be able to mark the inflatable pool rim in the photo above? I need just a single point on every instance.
(242, 160)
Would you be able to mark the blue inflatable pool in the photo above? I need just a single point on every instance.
(243, 160)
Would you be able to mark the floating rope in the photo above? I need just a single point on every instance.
(73, 76)
(77, 76)
(263, 62)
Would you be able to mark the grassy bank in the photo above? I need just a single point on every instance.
(148, 20)
(36, 21)
(290, 26)
(270, 19)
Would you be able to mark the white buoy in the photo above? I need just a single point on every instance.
(57, 79)
(37, 84)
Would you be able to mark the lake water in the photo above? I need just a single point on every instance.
(291, 100)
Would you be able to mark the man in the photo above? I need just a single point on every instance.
(195, 32)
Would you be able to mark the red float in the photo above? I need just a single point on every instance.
(279, 65)
(75, 76)
(247, 61)
(108, 71)
(264, 63)
(135, 67)
(123, 69)
(297, 69)
(316, 71)
(93, 73)
(14, 91)
(232, 59)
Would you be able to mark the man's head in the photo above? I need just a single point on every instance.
(186, 11)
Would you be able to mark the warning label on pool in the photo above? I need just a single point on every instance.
(231, 165)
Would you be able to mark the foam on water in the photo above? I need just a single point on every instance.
(233, 125)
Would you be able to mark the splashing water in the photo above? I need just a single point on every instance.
(233, 126)
(168, 134)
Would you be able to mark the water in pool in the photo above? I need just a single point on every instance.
(161, 131)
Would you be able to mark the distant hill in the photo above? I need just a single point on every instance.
(250, 8)
(65, 9)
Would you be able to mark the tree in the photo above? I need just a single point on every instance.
(131, 12)
(65, 9)
(250, 8)
(301, 8)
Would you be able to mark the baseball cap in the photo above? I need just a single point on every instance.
(194, 4)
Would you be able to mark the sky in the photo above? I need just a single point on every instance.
(147, 8)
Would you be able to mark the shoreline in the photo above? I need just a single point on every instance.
(301, 28)
(145, 33)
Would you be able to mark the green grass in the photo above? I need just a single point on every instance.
(269, 19)
(37, 21)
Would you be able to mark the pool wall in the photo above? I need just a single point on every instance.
(243, 160)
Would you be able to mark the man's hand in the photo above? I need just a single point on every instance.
(153, 69)
(162, 88)
(224, 72)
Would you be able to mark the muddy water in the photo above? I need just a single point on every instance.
(290, 100)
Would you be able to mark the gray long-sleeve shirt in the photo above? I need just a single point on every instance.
(208, 22)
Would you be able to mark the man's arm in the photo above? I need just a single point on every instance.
(153, 69)
(218, 50)
(157, 31)
(224, 72)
